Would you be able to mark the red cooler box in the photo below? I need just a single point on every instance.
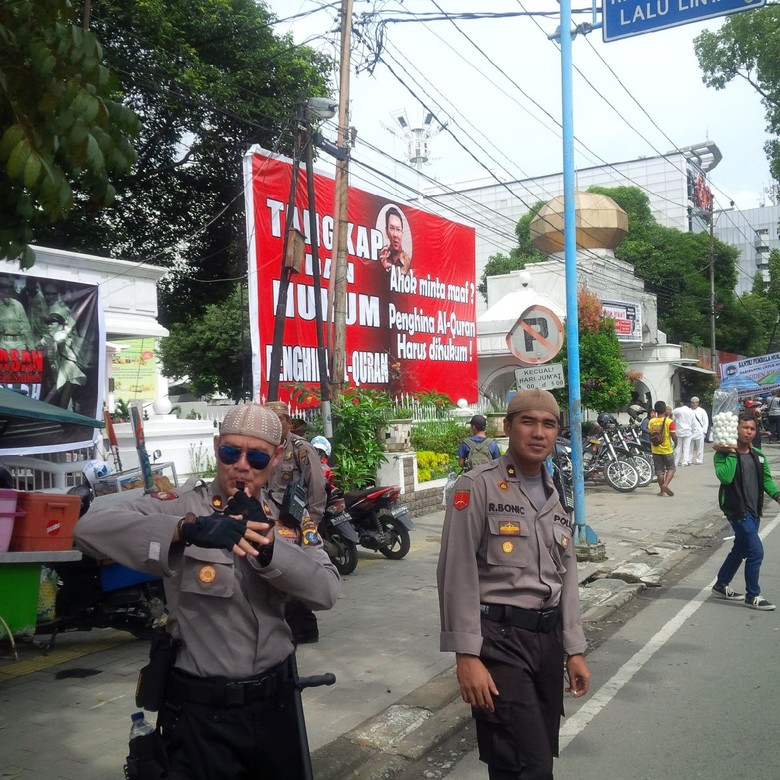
(48, 524)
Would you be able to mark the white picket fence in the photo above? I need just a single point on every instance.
(404, 406)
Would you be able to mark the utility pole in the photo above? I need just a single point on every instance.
(337, 289)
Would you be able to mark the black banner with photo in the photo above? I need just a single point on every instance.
(52, 347)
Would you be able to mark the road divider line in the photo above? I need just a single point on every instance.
(593, 705)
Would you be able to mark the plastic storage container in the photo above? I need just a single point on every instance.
(8, 515)
(48, 523)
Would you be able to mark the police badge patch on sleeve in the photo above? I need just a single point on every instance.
(309, 533)
(164, 495)
(461, 500)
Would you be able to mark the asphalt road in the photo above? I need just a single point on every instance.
(687, 688)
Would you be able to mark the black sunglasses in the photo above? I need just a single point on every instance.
(257, 459)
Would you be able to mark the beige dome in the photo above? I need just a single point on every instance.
(601, 223)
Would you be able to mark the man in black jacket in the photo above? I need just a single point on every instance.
(744, 476)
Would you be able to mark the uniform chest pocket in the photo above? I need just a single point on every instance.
(563, 538)
(207, 572)
(287, 472)
(507, 543)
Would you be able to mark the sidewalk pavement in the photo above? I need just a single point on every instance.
(67, 715)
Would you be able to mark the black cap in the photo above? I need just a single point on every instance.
(479, 422)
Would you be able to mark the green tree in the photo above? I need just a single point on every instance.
(675, 267)
(210, 349)
(604, 383)
(208, 79)
(64, 135)
(746, 47)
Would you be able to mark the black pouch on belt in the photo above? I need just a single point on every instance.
(152, 679)
(147, 759)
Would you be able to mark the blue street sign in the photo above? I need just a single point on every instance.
(624, 18)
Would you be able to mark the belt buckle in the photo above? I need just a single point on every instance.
(235, 694)
(546, 616)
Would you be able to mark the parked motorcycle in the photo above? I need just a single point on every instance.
(601, 458)
(381, 522)
(339, 536)
(93, 594)
(625, 443)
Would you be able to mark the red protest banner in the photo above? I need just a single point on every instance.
(410, 287)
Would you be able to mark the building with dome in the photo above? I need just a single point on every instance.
(601, 225)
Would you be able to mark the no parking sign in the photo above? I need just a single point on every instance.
(536, 337)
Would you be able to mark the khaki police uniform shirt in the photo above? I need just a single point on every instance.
(299, 455)
(498, 549)
(227, 610)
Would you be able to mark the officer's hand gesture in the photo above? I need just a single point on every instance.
(214, 531)
(476, 685)
(258, 527)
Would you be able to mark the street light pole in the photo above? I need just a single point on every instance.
(322, 362)
(713, 350)
(286, 272)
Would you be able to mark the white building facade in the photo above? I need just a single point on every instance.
(754, 232)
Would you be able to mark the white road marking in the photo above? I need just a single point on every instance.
(598, 701)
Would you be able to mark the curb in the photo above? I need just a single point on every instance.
(389, 742)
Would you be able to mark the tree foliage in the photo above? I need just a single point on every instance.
(64, 135)
(675, 266)
(604, 383)
(208, 78)
(209, 348)
(746, 46)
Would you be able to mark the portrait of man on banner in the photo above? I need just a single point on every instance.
(398, 249)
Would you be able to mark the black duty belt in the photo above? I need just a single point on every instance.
(221, 692)
(542, 621)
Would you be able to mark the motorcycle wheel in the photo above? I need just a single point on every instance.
(621, 475)
(644, 469)
(345, 559)
(399, 541)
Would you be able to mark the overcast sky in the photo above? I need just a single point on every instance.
(436, 64)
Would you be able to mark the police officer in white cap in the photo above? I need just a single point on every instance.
(508, 596)
(228, 570)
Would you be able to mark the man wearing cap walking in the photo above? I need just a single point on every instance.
(508, 596)
(226, 706)
(478, 449)
(298, 463)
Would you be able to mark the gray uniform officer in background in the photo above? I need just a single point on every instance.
(508, 596)
(228, 707)
(298, 461)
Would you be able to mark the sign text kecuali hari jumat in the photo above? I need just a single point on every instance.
(410, 287)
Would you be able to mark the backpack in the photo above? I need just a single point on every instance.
(658, 434)
(479, 453)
